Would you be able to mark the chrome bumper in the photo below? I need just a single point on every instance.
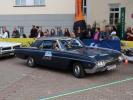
(100, 69)
(7, 53)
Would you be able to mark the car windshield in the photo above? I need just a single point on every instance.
(71, 44)
(37, 43)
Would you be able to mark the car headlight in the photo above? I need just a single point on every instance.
(100, 64)
(121, 58)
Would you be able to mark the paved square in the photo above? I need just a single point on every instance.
(19, 82)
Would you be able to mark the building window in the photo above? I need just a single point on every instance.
(114, 14)
(39, 2)
(22, 3)
(84, 7)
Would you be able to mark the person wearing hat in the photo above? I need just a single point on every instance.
(114, 36)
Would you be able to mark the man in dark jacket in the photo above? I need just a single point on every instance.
(33, 32)
(15, 33)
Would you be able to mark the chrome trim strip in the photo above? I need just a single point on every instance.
(72, 58)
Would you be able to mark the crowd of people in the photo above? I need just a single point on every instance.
(96, 33)
(15, 34)
(106, 33)
(36, 32)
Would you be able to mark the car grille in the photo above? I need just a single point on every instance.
(111, 62)
(7, 48)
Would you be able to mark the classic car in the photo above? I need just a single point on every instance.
(69, 53)
(7, 48)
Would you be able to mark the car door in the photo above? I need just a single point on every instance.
(51, 57)
(44, 53)
(59, 57)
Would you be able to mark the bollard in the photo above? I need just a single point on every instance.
(126, 61)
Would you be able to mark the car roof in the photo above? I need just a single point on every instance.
(54, 38)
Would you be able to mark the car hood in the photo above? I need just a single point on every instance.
(8, 44)
(97, 53)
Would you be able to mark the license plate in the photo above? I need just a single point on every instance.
(11, 54)
(111, 67)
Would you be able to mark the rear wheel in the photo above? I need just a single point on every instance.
(30, 62)
(78, 70)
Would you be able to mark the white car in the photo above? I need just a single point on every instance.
(7, 48)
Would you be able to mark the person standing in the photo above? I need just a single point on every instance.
(97, 34)
(89, 34)
(78, 32)
(5, 29)
(1, 35)
(15, 33)
(39, 32)
(129, 34)
(33, 32)
(66, 32)
(52, 32)
(114, 36)
(47, 33)
(59, 32)
(113, 29)
(4, 33)
(106, 35)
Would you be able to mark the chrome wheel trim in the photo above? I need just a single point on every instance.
(77, 69)
(30, 61)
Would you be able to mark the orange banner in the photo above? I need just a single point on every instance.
(79, 14)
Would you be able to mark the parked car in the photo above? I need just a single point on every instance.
(7, 48)
(69, 53)
(127, 50)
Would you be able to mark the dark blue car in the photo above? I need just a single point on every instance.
(69, 53)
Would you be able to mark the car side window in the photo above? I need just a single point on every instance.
(55, 46)
(46, 44)
(37, 43)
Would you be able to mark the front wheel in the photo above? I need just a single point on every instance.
(30, 62)
(78, 70)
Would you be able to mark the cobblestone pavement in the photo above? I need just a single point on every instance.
(19, 82)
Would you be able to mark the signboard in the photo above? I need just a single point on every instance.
(110, 44)
(122, 22)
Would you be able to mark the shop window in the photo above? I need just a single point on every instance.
(114, 14)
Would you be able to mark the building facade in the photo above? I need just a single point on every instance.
(45, 13)
(61, 13)
(107, 11)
